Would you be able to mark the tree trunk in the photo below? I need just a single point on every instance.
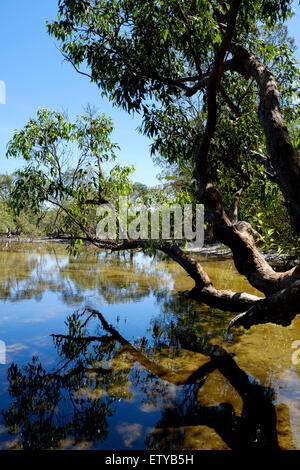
(283, 156)
(247, 259)
(279, 308)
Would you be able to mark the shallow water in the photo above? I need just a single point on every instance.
(137, 365)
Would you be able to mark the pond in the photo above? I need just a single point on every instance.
(106, 352)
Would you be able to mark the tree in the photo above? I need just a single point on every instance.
(64, 169)
(162, 58)
(26, 222)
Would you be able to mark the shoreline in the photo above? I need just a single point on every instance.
(32, 240)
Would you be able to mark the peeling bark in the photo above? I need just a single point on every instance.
(247, 259)
(226, 300)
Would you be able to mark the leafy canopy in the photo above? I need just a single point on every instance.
(151, 57)
(136, 50)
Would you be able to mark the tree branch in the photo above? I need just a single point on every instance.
(236, 110)
(212, 86)
(279, 308)
(265, 161)
(235, 204)
(193, 52)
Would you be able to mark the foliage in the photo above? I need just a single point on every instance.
(65, 169)
(146, 57)
(38, 395)
(26, 222)
(129, 45)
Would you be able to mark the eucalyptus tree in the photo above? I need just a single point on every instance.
(64, 168)
(164, 58)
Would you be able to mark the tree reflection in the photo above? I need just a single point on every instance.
(30, 271)
(254, 429)
(95, 369)
(50, 407)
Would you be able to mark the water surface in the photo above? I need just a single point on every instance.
(104, 352)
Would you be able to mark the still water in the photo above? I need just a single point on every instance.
(105, 352)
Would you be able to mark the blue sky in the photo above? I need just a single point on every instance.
(37, 76)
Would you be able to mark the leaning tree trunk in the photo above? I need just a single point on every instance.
(282, 288)
(286, 168)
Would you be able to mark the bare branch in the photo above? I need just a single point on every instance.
(198, 86)
(235, 204)
(279, 308)
(74, 65)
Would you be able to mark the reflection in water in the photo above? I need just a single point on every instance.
(90, 383)
(28, 274)
(47, 408)
(153, 370)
